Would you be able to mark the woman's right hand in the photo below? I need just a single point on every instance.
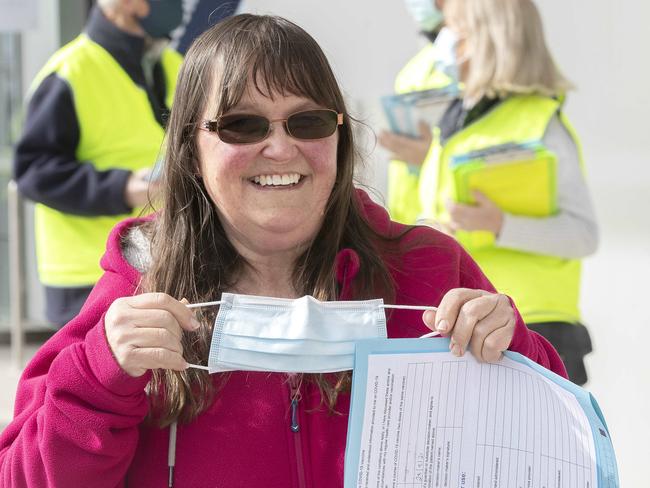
(144, 332)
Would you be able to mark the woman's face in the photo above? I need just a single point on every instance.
(271, 218)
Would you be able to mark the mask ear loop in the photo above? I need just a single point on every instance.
(433, 333)
(401, 307)
(203, 304)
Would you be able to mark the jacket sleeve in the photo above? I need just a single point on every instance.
(77, 412)
(46, 168)
(573, 232)
(524, 340)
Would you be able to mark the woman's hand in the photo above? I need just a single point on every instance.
(408, 149)
(144, 332)
(484, 320)
(484, 215)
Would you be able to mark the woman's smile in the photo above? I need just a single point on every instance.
(277, 181)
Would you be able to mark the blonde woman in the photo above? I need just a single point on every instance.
(513, 93)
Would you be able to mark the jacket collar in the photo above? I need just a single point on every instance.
(127, 49)
(347, 268)
(347, 260)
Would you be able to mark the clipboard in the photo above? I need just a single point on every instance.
(410, 427)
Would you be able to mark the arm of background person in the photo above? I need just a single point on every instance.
(573, 232)
(45, 165)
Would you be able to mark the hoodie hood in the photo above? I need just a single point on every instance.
(113, 260)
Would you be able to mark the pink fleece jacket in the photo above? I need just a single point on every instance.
(78, 419)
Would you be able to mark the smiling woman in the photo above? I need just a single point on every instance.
(258, 199)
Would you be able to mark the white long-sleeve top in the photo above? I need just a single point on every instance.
(572, 232)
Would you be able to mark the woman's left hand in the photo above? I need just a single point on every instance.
(483, 215)
(484, 320)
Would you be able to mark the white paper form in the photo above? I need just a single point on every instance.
(434, 420)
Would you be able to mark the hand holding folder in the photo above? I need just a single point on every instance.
(521, 179)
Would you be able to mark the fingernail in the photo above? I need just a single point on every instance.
(442, 326)
(195, 323)
(456, 350)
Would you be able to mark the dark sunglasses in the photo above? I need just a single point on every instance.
(248, 128)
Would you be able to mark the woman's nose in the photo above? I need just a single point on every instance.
(279, 145)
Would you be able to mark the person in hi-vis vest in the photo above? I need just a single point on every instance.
(420, 73)
(93, 132)
(513, 95)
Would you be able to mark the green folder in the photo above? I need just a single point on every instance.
(521, 179)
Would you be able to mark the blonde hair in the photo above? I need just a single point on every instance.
(506, 49)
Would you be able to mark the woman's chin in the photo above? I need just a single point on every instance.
(284, 233)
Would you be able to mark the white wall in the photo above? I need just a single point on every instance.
(39, 41)
(601, 45)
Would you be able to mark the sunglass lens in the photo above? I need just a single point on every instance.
(242, 129)
(312, 124)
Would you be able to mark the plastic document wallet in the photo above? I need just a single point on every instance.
(405, 110)
(521, 179)
(422, 417)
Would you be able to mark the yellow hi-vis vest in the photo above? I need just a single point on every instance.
(418, 74)
(544, 288)
(118, 129)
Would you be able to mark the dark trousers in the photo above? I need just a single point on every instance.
(63, 304)
(572, 342)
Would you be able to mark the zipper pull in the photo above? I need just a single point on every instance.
(294, 415)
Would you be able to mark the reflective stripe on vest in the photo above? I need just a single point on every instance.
(544, 288)
(117, 129)
(418, 74)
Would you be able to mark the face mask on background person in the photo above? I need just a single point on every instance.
(304, 335)
(446, 59)
(164, 16)
(425, 13)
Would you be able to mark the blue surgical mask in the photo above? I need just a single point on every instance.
(164, 16)
(445, 52)
(304, 335)
(425, 13)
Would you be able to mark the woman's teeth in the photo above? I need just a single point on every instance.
(277, 180)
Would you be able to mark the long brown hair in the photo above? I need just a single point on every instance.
(192, 257)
